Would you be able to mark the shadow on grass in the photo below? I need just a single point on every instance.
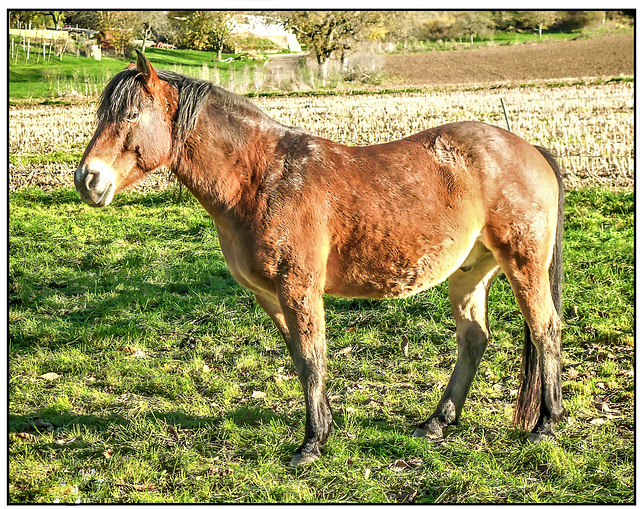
(89, 436)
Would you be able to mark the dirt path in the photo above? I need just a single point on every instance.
(604, 57)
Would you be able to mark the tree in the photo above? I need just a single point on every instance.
(326, 32)
(58, 17)
(538, 20)
(83, 19)
(220, 31)
(35, 18)
(203, 30)
(475, 23)
(116, 27)
(149, 23)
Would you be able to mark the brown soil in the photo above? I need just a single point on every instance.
(604, 57)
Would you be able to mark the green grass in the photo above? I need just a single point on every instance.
(158, 353)
(49, 79)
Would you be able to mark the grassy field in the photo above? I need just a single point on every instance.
(141, 372)
(86, 77)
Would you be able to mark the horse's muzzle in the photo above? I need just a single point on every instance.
(96, 183)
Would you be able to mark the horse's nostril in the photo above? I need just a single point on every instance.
(92, 180)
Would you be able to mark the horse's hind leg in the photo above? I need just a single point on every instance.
(525, 261)
(468, 290)
(540, 402)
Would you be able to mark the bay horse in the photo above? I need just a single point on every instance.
(299, 216)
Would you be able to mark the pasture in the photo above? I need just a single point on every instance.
(139, 371)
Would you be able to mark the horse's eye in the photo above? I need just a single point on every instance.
(133, 116)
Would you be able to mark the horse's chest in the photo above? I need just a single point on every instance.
(241, 260)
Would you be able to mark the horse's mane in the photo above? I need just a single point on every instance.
(125, 91)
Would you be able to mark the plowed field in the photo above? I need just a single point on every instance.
(604, 57)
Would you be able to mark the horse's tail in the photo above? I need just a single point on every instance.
(527, 408)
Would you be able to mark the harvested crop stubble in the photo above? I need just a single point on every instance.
(589, 127)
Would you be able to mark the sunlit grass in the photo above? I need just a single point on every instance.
(172, 385)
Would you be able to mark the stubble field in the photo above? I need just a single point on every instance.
(589, 126)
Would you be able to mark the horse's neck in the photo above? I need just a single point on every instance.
(225, 174)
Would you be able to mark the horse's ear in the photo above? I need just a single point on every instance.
(151, 80)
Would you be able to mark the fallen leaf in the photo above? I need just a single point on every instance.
(404, 345)
(400, 465)
(406, 497)
(348, 462)
(219, 471)
(345, 351)
(597, 421)
(49, 376)
(602, 406)
(367, 473)
(173, 431)
(206, 368)
(258, 394)
(372, 402)
(572, 373)
(108, 453)
(135, 352)
(349, 435)
(25, 436)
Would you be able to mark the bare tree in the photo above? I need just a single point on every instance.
(150, 22)
(475, 23)
(327, 32)
(538, 20)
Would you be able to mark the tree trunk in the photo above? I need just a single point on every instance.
(219, 53)
(144, 39)
(323, 66)
(540, 31)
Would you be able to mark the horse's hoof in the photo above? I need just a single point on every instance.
(431, 430)
(536, 438)
(300, 460)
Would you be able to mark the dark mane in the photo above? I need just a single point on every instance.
(125, 91)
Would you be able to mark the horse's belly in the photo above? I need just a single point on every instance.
(393, 271)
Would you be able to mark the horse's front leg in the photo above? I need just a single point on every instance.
(303, 311)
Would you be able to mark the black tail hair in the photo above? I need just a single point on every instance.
(527, 409)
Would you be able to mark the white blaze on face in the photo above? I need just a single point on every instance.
(96, 182)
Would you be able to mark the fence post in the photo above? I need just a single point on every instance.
(506, 117)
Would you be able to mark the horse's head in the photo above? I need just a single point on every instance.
(134, 134)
